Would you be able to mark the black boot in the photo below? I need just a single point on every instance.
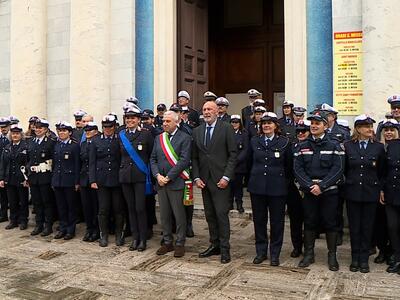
(309, 240)
(119, 232)
(331, 241)
(103, 225)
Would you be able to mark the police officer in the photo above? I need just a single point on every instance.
(79, 124)
(298, 114)
(295, 198)
(209, 96)
(158, 120)
(318, 167)
(248, 111)
(39, 166)
(30, 133)
(193, 117)
(182, 125)
(394, 102)
(136, 145)
(4, 128)
(271, 172)
(13, 158)
(147, 122)
(65, 180)
(287, 122)
(104, 162)
(391, 200)
(254, 125)
(242, 142)
(88, 195)
(365, 163)
(223, 105)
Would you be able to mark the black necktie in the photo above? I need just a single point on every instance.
(208, 136)
(363, 145)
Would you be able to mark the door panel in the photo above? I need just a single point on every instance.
(193, 48)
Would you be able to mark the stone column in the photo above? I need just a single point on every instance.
(144, 53)
(319, 52)
(90, 57)
(5, 19)
(296, 52)
(165, 51)
(381, 44)
(28, 59)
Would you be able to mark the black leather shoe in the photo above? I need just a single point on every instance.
(11, 226)
(295, 253)
(23, 226)
(189, 231)
(390, 260)
(119, 240)
(212, 250)
(37, 230)
(47, 231)
(59, 235)
(274, 262)
(134, 245)
(381, 258)
(364, 268)
(354, 266)
(225, 257)
(94, 237)
(86, 237)
(103, 242)
(69, 236)
(259, 259)
(142, 246)
(394, 268)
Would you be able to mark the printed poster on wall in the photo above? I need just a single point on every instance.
(347, 72)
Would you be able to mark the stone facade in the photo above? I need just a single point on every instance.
(5, 8)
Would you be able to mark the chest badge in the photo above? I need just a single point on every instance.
(140, 147)
(374, 163)
(43, 155)
(277, 155)
(66, 156)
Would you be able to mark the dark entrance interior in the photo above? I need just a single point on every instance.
(229, 46)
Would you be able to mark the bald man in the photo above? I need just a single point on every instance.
(214, 159)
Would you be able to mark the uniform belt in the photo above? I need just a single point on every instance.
(42, 167)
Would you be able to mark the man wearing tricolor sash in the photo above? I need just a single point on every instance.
(170, 161)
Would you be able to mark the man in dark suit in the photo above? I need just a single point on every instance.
(214, 158)
(170, 183)
(223, 105)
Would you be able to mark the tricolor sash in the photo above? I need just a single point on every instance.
(173, 158)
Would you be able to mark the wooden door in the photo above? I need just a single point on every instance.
(193, 48)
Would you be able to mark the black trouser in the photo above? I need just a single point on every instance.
(380, 236)
(321, 211)
(44, 204)
(3, 203)
(216, 208)
(237, 189)
(261, 205)
(18, 197)
(151, 211)
(66, 205)
(361, 217)
(295, 211)
(90, 208)
(136, 200)
(393, 222)
(110, 198)
(340, 209)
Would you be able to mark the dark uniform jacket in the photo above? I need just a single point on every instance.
(153, 129)
(3, 142)
(39, 153)
(320, 160)
(252, 128)
(271, 169)
(84, 163)
(339, 133)
(225, 118)
(392, 176)
(142, 141)
(247, 112)
(242, 144)
(181, 142)
(364, 171)
(13, 157)
(104, 160)
(158, 121)
(77, 134)
(193, 118)
(66, 164)
(219, 158)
